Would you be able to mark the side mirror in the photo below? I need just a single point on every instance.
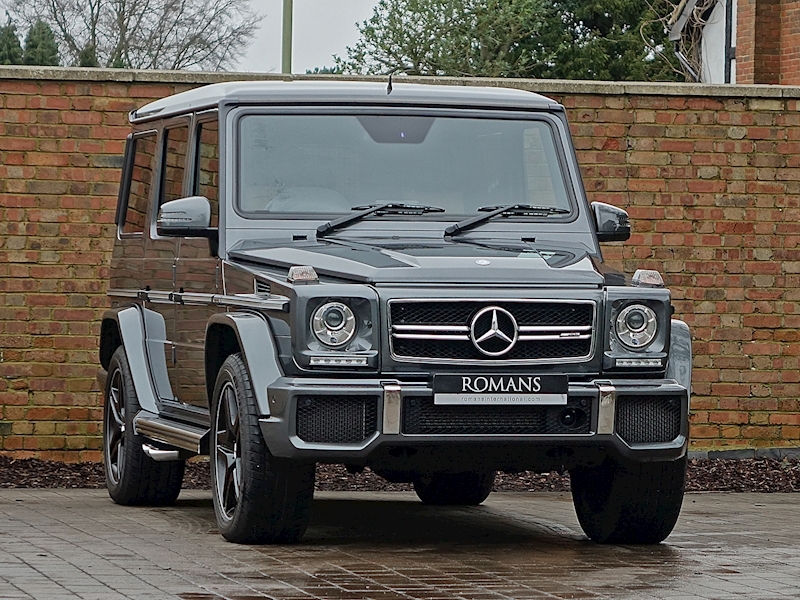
(613, 224)
(186, 217)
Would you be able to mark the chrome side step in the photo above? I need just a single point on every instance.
(180, 435)
(160, 455)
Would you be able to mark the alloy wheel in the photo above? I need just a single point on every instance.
(114, 435)
(228, 454)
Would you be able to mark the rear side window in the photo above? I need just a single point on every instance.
(176, 143)
(144, 164)
(206, 180)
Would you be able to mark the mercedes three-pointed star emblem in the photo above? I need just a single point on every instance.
(494, 331)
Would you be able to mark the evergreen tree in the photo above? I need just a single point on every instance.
(612, 40)
(40, 45)
(619, 40)
(10, 48)
(87, 57)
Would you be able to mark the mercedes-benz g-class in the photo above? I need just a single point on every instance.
(407, 278)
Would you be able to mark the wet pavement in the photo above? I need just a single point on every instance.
(59, 544)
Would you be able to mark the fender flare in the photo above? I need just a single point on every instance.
(257, 346)
(680, 355)
(130, 327)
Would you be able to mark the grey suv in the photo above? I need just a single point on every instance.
(406, 278)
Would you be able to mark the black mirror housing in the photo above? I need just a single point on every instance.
(613, 224)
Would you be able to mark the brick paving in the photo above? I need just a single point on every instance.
(66, 544)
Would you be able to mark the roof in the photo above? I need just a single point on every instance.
(338, 92)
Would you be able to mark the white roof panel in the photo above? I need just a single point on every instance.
(339, 92)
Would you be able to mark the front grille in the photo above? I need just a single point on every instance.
(648, 419)
(336, 419)
(527, 312)
(439, 330)
(422, 417)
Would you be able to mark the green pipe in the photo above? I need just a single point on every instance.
(286, 54)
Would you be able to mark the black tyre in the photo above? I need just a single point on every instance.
(627, 502)
(132, 477)
(258, 498)
(469, 488)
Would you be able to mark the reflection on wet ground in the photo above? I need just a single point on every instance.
(77, 544)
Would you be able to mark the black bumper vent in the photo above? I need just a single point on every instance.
(422, 417)
(336, 419)
(648, 419)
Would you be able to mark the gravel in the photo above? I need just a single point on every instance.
(744, 475)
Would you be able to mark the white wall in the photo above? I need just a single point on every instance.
(713, 46)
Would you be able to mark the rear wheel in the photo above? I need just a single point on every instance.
(132, 477)
(625, 502)
(470, 488)
(258, 498)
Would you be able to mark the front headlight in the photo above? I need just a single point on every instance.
(636, 326)
(336, 330)
(334, 324)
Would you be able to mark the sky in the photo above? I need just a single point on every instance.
(322, 28)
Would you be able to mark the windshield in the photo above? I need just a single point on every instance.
(331, 164)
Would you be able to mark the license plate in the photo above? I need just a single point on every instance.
(501, 390)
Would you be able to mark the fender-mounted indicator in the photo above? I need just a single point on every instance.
(647, 278)
(302, 274)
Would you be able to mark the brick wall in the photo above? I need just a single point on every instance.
(768, 42)
(790, 42)
(710, 176)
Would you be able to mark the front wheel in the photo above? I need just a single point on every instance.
(258, 498)
(470, 488)
(624, 502)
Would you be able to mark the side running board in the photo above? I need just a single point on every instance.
(180, 435)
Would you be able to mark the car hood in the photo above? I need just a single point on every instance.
(387, 261)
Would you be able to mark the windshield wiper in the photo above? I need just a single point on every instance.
(505, 246)
(375, 209)
(525, 210)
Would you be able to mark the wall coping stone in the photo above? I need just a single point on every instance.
(553, 86)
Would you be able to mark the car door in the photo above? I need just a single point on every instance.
(161, 253)
(198, 269)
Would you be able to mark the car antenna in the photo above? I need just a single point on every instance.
(389, 87)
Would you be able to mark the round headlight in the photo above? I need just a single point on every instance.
(636, 326)
(334, 324)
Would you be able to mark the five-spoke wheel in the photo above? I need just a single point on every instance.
(258, 498)
(114, 427)
(228, 456)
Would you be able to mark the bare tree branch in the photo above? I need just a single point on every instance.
(151, 34)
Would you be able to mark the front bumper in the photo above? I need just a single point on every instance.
(390, 446)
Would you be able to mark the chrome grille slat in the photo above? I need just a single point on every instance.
(430, 336)
(563, 336)
(537, 328)
(549, 331)
(430, 328)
